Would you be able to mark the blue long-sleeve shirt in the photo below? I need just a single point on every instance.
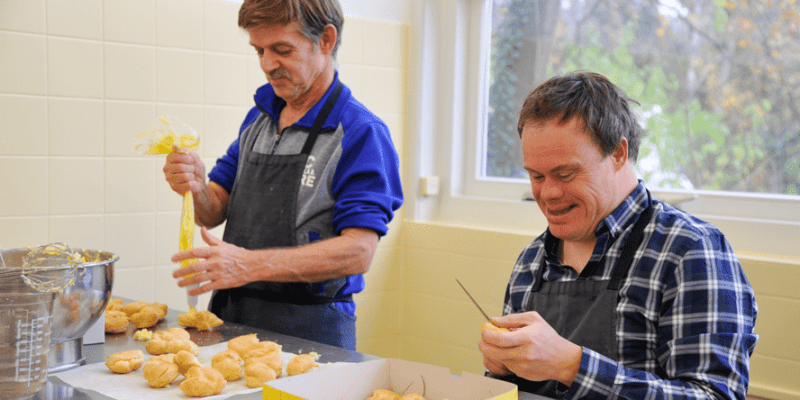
(352, 178)
(685, 315)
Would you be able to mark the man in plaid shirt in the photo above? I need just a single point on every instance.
(623, 296)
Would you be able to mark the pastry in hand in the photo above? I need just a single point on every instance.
(160, 371)
(116, 322)
(301, 364)
(257, 374)
(125, 361)
(202, 381)
(185, 361)
(202, 320)
(492, 327)
(241, 344)
(229, 364)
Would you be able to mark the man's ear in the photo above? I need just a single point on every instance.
(620, 154)
(327, 40)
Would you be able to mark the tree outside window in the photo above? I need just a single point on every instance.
(718, 82)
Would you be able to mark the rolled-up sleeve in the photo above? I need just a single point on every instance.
(367, 183)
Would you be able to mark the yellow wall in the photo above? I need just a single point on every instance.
(775, 364)
(437, 323)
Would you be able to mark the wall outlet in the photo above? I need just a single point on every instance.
(429, 186)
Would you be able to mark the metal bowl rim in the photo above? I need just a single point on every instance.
(114, 258)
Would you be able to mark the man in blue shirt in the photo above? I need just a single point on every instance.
(623, 296)
(305, 191)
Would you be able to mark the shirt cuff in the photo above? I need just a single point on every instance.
(595, 378)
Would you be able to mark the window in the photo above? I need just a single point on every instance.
(717, 82)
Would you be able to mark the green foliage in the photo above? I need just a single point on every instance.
(709, 113)
(720, 21)
(688, 138)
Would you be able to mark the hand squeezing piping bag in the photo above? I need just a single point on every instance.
(165, 134)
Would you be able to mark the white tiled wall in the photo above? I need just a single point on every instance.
(80, 78)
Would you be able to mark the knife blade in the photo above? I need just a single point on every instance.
(473, 301)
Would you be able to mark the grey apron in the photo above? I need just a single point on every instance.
(262, 213)
(582, 311)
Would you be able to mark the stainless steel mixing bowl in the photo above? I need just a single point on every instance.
(77, 307)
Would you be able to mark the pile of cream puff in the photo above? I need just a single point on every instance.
(174, 354)
(140, 313)
(147, 315)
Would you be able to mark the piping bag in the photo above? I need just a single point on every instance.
(165, 133)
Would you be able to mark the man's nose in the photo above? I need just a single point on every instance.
(268, 64)
(550, 189)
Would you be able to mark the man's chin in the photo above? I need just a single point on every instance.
(279, 84)
(282, 92)
(561, 230)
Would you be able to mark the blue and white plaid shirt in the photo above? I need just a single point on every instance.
(685, 314)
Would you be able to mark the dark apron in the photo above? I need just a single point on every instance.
(582, 311)
(262, 213)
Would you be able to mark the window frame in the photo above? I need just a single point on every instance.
(446, 120)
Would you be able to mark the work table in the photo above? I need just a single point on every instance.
(56, 389)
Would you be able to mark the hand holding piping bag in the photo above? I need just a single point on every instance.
(167, 134)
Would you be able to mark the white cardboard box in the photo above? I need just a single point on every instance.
(357, 382)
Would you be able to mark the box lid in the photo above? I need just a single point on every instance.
(359, 380)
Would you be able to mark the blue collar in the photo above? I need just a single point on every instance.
(270, 103)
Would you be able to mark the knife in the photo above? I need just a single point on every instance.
(473, 301)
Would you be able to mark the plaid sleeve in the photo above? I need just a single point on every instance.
(522, 277)
(703, 335)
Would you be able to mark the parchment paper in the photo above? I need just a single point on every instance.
(133, 386)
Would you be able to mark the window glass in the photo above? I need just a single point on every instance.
(718, 84)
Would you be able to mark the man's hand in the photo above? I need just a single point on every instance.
(184, 172)
(532, 350)
(222, 266)
(495, 368)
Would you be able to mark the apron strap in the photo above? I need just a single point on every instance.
(630, 248)
(537, 279)
(321, 118)
(625, 261)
